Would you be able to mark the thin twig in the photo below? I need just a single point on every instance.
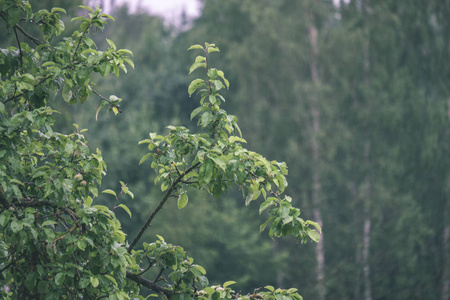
(78, 44)
(35, 40)
(20, 47)
(160, 205)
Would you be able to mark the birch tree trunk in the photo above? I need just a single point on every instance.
(367, 225)
(446, 236)
(316, 179)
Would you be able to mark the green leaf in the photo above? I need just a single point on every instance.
(16, 226)
(314, 235)
(125, 51)
(195, 47)
(16, 181)
(212, 99)
(86, 7)
(212, 73)
(67, 93)
(195, 66)
(58, 9)
(96, 113)
(209, 168)
(196, 111)
(234, 139)
(129, 61)
(111, 44)
(309, 222)
(109, 191)
(206, 119)
(94, 282)
(125, 208)
(4, 217)
(59, 278)
(228, 283)
(111, 279)
(263, 226)
(266, 204)
(200, 59)
(87, 201)
(194, 85)
(49, 223)
(182, 200)
(219, 162)
(269, 287)
(213, 49)
(13, 16)
(200, 268)
(221, 75)
(145, 157)
(218, 84)
(209, 290)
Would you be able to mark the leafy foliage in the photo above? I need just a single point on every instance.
(56, 242)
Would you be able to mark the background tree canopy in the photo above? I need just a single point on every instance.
(354, 97)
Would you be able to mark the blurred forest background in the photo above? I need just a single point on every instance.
(354, 97)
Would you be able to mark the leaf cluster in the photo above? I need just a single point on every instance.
(55, 242)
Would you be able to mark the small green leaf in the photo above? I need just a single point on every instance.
(212, 73)
(94, 282)
(126, 209)
(269, 287)
(314, 235)
(209, 168)
(96, 113)
(182, 200)
(263, 226)
(111, 44)
(195, 47)
(58, 9)
(49, 222)
(87, 200)
(4, 217)
(86, 7)
(109, 191)
(59, 278)
(111, 279)
(16, 226)
(228, 283)
(145, 157)
(219, 162)
(200, 268)
(16, 181)
(309, 222)
(212, 99)
(196, 111)
(200, 59)
(194, 85)
(266, 204)
(209, 290)
(196, 65)
(213, 49)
